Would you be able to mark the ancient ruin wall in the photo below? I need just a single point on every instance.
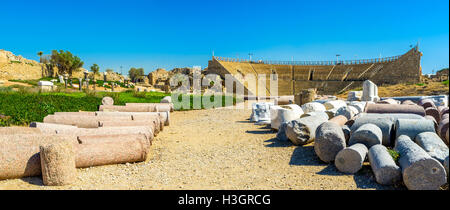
(329, 77)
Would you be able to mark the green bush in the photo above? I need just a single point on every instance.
(445, 82)
(29, 107)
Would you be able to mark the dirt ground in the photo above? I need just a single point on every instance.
(216, 149)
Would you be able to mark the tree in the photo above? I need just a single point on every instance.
(135, 72)
(40, 53)
(95, 70)
(66, 62)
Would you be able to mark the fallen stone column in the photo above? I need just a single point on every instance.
(302, 131)
(107, 100)
(443, 110)
(351, 159)
(444, 116)
(426, 102)
(154, 107)
(347, 111)
(19, 154)
(330, 139)
(284, 114)
(384, 123)
(420, 171)
(110, 130)
(395, 116)
(340, 120)
(51, 128)
(58, 164)
(76, 113)
(18, 130)
(123, 151)
(95, 139)
(431, 111)
(74, 120)
(36, 139)
(140, 116)
(428, 117)
(115, 108)
(83, 121)
(412, 127)
(394, 108)
(313, 107)
(383, 166)
(443, 128)
(367, 134)
(359, 106)
(433, 145)
(334, 104)
(155, 124)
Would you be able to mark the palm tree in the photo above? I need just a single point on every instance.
(40, 53)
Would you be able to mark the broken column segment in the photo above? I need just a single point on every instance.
(58, 163)
(433, 145)
(330, 139)
(432, 111)
(105, 153)
(347, 111)
(394, 108)
(351, 159)
(412, 127)
(284, 114)
(313, 107)
(419, 170)
(18, 130)
(370, 91)
(154, 107)
(385, 123)
(443, 128)
(383, 166)
(367, 134)
(302, 131)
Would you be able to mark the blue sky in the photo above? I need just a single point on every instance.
(168, 34)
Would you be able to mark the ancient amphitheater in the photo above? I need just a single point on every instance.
(329, 77)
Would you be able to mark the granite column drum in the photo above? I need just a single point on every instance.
(367, 134)
(419, 170)
(383, 166)
(330, 139)
(302, 131)
(58, 164)
(412, 127)
(394, 108)
(433, 145)
(351, 159)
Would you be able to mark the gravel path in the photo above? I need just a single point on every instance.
(216, 149)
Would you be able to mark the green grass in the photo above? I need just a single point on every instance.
(394, 154)
(22, 107)
(420, 84)
(445, 82)
(16, 61)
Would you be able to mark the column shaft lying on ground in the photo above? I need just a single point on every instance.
(351, 159)
(394, 108)
(330, 139)
(433, 145)
(383, 165)
(419, 170)
(18, 130)
(303, 131)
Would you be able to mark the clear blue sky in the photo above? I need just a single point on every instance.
(168, 34)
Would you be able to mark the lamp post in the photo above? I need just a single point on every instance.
(337, 58)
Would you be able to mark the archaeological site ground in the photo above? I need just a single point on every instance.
(263, 98)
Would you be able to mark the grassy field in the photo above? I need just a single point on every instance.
(22, 107)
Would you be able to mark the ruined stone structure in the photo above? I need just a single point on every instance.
(329, 77)
(14, 67)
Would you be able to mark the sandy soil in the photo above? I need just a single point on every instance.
(216, 149)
